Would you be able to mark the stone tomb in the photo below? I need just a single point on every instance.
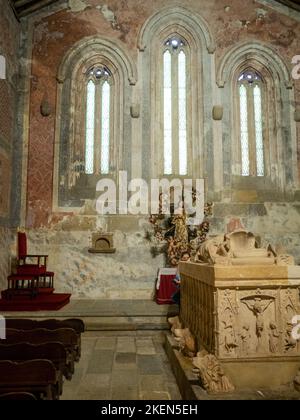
(243, 315)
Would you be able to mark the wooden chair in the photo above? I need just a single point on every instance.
(21, 352)
(66, 336)
(51, 324)
(23, 267)
(37, 377)
(20, 396)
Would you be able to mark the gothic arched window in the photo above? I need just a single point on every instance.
(98, 120)
(251, 98)
(175, 106)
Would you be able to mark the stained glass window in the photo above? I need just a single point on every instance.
(175, 107)
(251, 123)
(98, 120)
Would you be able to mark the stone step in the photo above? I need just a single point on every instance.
(110, 315)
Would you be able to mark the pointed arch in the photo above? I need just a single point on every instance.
(94, 45)
(247, 52)
(186, 18)
(280, 170)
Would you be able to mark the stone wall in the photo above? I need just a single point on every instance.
(267, 210)
(9, 44)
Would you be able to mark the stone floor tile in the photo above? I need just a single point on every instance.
(153, 383)
(101, 361)
(121, 392)
(155, 395)
(106, 343)
(126, 345)
(125, 358)
(149, 365)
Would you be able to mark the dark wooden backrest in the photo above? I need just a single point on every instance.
(24, 396)
(25, 351)
(49, 324)
(66, 336)
(33, 372)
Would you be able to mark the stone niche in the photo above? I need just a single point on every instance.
(102, 243)
(243, 316)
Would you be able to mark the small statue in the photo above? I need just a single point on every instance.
(175, 324)
(246, 339)
(211, 374)
(274, 336)
(230, 343)
(186, 342)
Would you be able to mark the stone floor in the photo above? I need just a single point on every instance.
(122, 366)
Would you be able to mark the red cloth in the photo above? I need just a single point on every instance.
(166, 289)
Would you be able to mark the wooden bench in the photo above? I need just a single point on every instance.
(37, 377)
(66, 336)
(50, 324)
(21, 352)
(20, 396)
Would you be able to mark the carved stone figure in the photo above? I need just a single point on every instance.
(274, 336)
(245, 339)
(175, 324)
(211, 374)
(186, 342)
(230, 342)
(239, 248)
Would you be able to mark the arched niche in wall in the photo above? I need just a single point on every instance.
(279, 127)
(73, 183)
(198, 40)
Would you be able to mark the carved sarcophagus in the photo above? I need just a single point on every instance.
(244, 316)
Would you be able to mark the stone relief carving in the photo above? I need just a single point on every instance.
(245, 339)
(239, 248)
(274, 337)
(211, 374)
(258, 306)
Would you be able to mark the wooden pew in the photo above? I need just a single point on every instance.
(66, 336)
(55, 352)
(50, 324)
(20, 396)
(37, 377)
